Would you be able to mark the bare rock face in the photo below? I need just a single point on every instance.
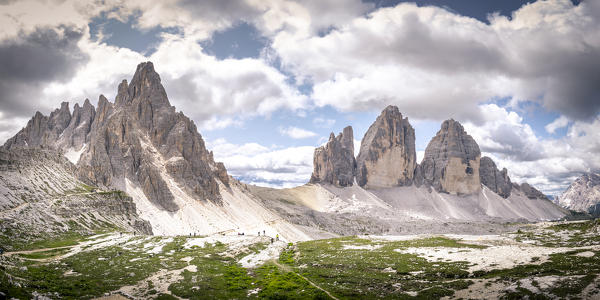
(41, 130)
(530, 191)
(139, 139)
(334, 163)
(583, 194)
(387, 155)
(76, 133)
(451, 162)
(498, 181)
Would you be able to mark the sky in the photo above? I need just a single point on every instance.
(267, 81)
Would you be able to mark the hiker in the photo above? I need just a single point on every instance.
(259, 233)
(271, 240)
(277, 237)
(263, 232)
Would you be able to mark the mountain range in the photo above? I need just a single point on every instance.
(141, 145)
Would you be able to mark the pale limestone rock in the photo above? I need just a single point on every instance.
(387, 155)
(334, 163)
(451, 162)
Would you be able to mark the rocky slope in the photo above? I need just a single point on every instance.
(583, 194)
(40, 196)
(334, 163)
(387, 156)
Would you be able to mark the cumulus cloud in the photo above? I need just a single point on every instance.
(413, 56)
(560, 122)
(265, 166)
(296, 133)
(226, 88)
(549, 164)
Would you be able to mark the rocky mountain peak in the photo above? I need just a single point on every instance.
(146, 86)
(123, 96)
(583, 194)
(334, 162)
(387, 154)
(498, 181)
(451, 161)
(138, 141)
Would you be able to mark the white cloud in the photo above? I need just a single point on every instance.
(296, 133)
(560, 122)
(548, 164)
(226, 88)
(419, 56)
(265, 166)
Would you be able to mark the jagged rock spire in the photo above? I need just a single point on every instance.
(451, 162)
(387, 155)
(334, 163)
(498, 181)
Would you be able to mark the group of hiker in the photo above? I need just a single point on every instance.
(264, 233)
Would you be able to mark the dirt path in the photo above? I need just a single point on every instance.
(18, 207)
(288, 269)
(35, 250)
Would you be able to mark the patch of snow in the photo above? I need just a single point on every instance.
(74, 155)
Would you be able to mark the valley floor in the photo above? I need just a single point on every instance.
(542, 260)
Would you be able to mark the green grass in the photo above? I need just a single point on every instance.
(45, 254)
(378, 269)
(379, 272)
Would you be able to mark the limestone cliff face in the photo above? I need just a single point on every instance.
(76, 134)
(139, 139)
(334, 163)
(451, 161)
(141, 136)
(498, 181)
(387, 155)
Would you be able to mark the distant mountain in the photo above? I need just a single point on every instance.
(583, 195)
